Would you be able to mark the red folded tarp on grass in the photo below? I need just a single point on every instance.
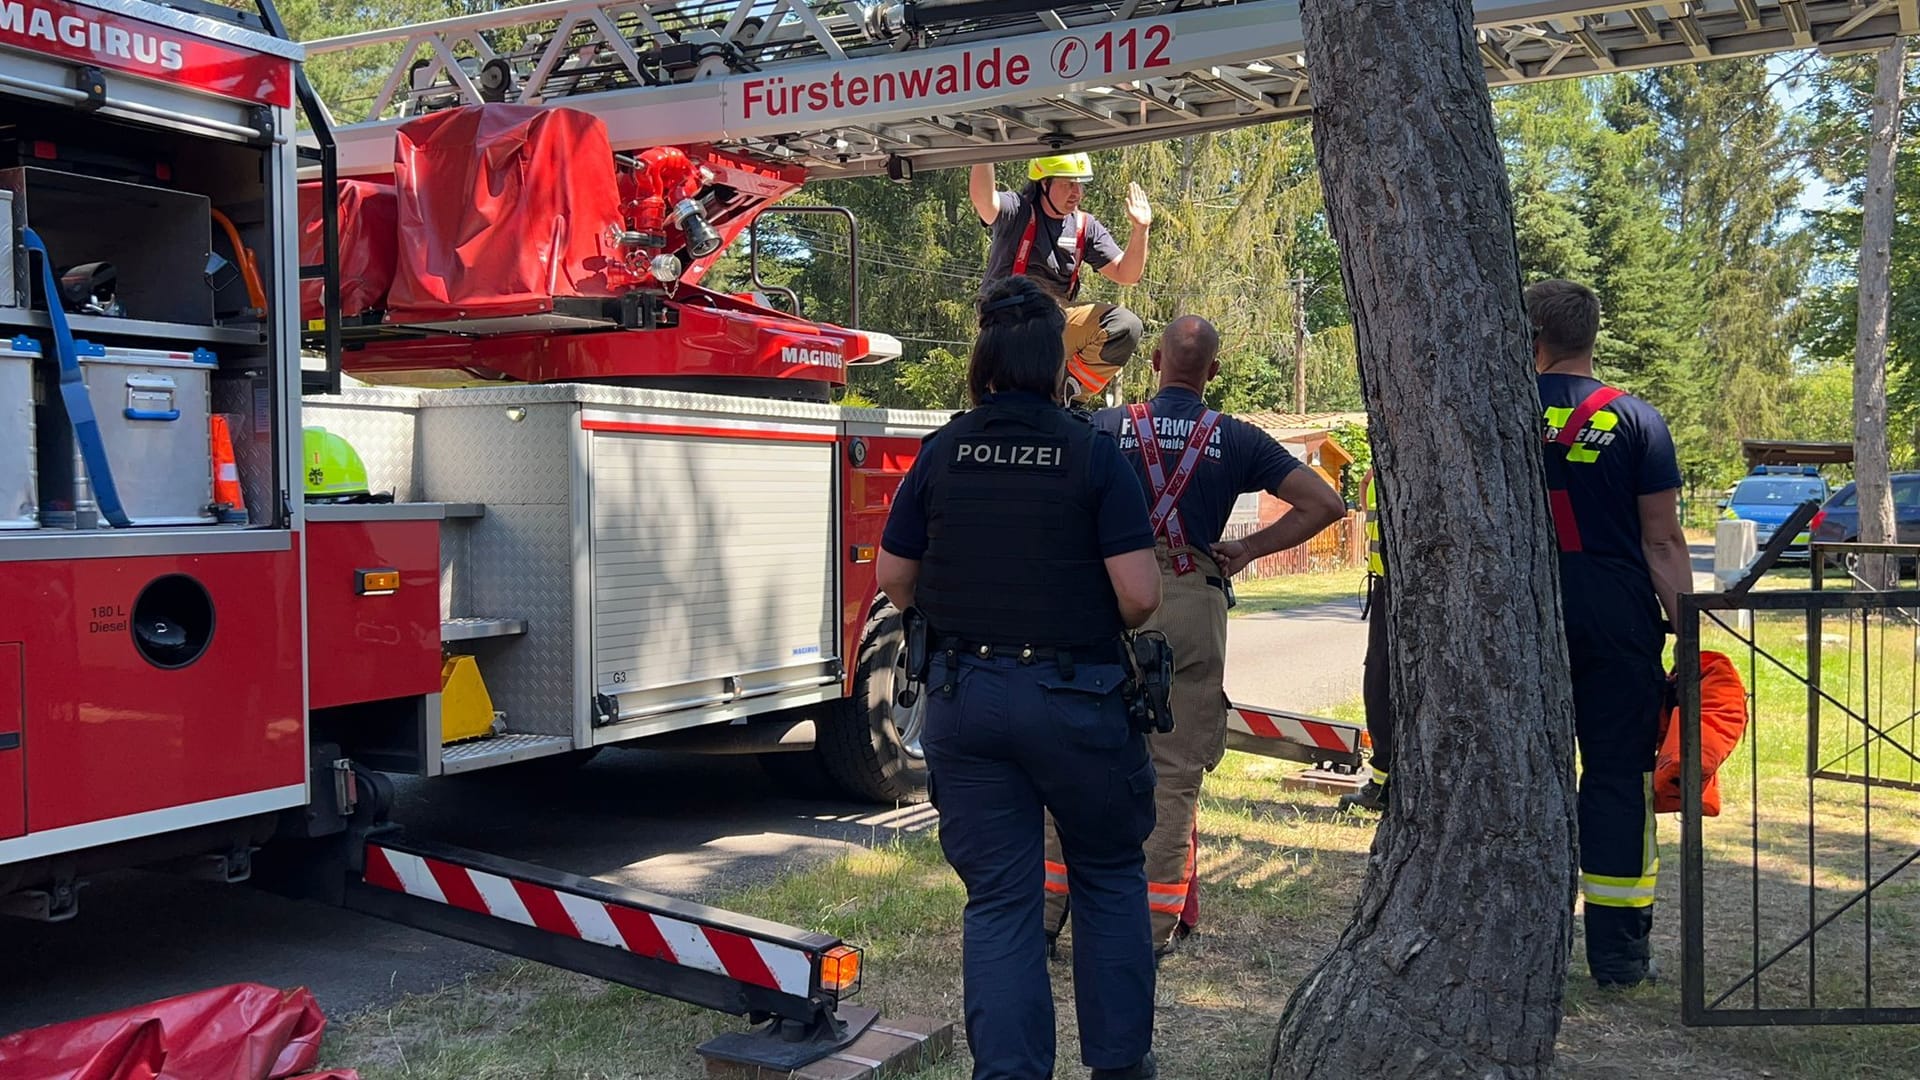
(369, 235)
(241, 1032)
(503, 208)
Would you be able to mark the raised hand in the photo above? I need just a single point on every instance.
(1139, 211)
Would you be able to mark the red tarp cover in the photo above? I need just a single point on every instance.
(502, 208)
(368, 234)
(241, 1032)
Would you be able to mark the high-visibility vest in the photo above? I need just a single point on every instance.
(1376, 551)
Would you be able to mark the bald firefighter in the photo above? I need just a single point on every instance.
(1194, 464)
(1041, 232)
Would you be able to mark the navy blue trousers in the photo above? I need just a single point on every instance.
(1009, 740)
(1614, 643)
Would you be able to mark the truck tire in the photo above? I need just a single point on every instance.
(870, 743)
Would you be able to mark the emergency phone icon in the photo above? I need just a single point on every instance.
(1069, 57)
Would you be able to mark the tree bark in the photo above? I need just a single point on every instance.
(1870, 454)
(1456, 959)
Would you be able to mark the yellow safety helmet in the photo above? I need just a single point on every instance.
(333, 469)
(1064, 166)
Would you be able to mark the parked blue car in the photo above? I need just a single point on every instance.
(1839, 520)
(1769, 495)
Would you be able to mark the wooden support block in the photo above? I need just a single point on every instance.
(1325, 780)
(894, 1048)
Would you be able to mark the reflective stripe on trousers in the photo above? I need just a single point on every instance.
(1609, 890)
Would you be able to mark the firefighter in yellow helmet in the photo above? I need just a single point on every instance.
(1041, 232)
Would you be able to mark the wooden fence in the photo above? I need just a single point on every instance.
(1340, 546)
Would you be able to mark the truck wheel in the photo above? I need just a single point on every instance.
(869, 742)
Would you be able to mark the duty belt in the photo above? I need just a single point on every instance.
(1108, 652)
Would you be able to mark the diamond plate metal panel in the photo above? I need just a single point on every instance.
(480, 453)
(499, 750)
(384, 435)
(520, 565)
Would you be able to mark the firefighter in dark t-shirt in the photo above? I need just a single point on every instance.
(1041, 232)
(1198, 463)
(1613, 484)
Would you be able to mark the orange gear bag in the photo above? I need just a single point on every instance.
(1723, 720)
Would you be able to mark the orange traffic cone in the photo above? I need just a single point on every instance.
(228, 504)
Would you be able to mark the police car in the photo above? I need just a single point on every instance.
(1769, 495)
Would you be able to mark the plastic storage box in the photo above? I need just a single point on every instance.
(153, 409)
(19, 478)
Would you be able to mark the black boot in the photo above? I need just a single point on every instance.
(1371, 796)
(1619, 953)
(1143, 1070)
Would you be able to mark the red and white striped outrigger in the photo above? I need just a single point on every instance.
(797, 981)
(1333, 745)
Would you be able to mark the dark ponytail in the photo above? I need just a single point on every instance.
(1022, 341)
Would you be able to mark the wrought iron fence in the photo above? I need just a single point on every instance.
(1801, 898)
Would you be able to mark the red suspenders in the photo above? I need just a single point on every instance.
(1079, 247)
(1559, 499)
(1166, 493)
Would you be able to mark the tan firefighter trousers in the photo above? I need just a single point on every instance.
(1100, 339)
(1193, 616)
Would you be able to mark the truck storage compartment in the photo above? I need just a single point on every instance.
(156, 240)
(153, 407)
(19, 403)
(713, 567)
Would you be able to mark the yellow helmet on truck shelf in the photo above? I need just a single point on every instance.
(1065, 166)
(333, 468)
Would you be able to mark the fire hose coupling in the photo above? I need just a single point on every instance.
(702, 239)
(664, 176)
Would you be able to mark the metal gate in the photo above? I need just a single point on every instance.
(1801, 897)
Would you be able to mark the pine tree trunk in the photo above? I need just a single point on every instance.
(1870, 454)
(1456, 960)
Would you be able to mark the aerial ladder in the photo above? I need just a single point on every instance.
(885, 87)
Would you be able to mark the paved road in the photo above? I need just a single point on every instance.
(1306, 660)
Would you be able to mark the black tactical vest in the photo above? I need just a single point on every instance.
(1013, 555)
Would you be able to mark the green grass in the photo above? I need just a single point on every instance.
(1279, 869)
(1290, 591)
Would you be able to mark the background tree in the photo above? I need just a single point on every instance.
(1843, 93)
(1456, 959)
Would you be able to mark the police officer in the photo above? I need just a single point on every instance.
(1613, 485)
(1042, 232)
(1022, 540)
(1376, 681)
(1192, 468)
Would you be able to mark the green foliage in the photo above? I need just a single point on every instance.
(1354, 438)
